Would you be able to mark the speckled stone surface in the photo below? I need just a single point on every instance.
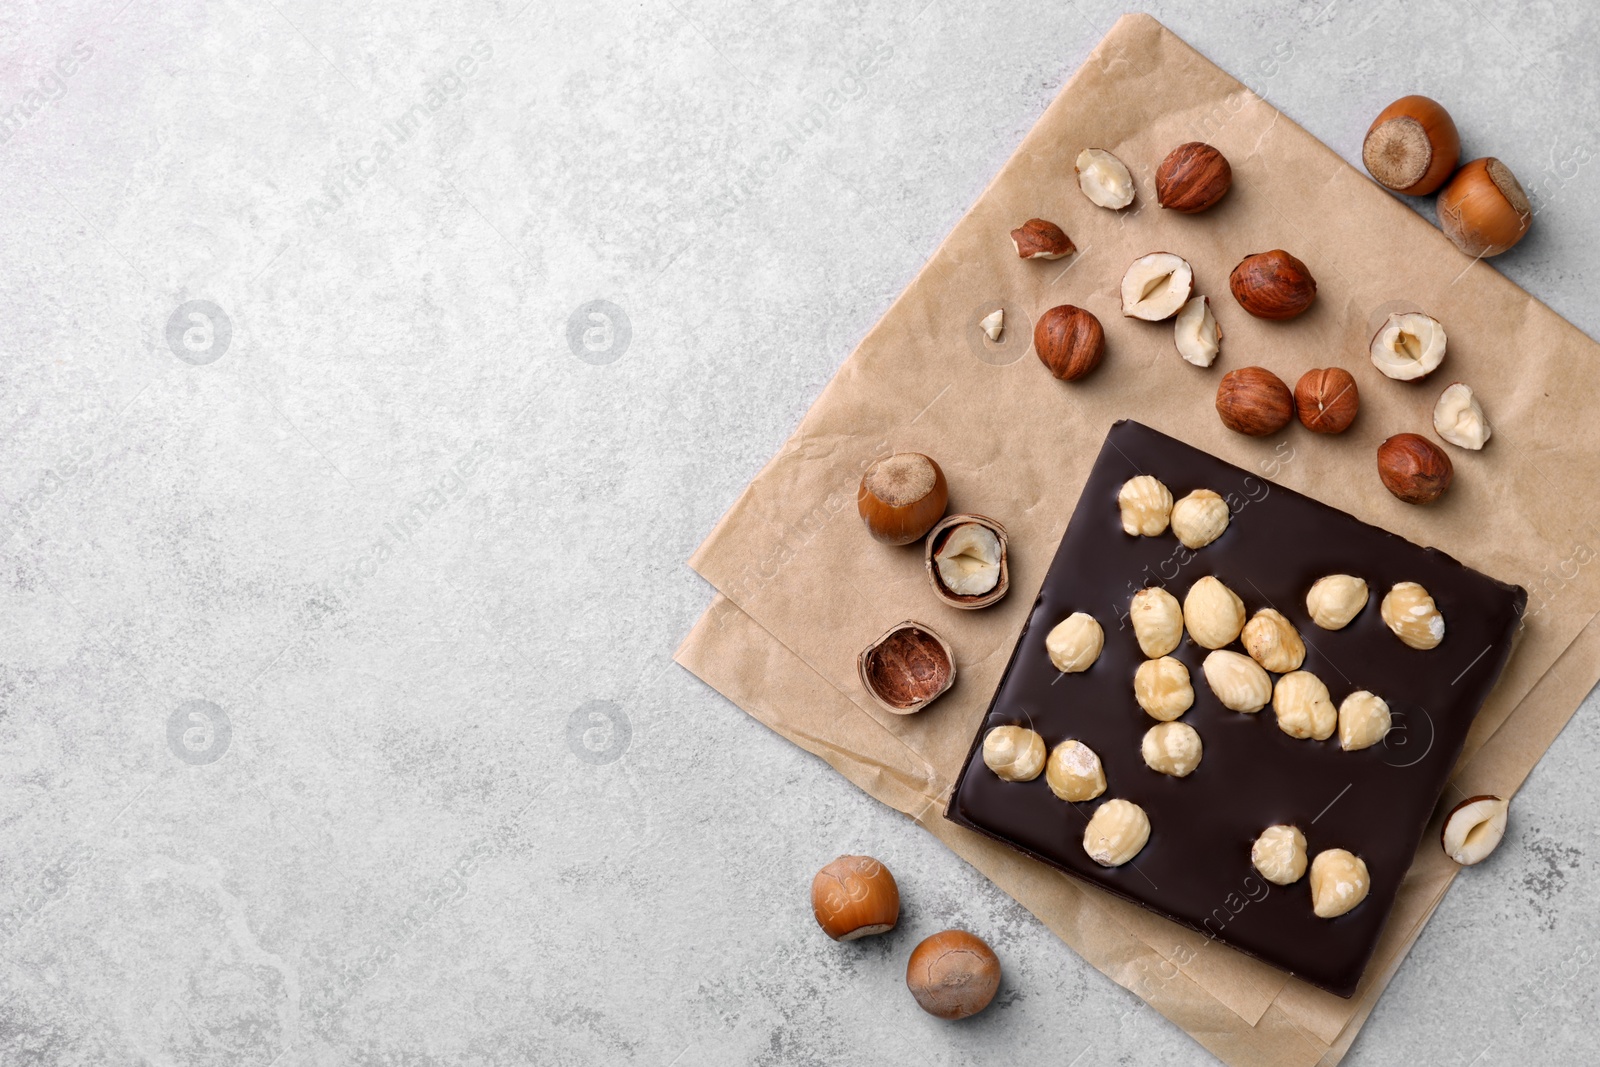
(369, 372)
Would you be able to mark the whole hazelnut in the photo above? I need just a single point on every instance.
(1273, 285)
(1069, 341)
(1254, 401)
(1412, 146)
(1327, 400)
(1484, 209)
(1193, 177)
(1413, 468)
(901, 497)
(854, 897)
(953, 974)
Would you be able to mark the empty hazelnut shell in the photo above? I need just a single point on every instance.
(974, 558)
(907, 669)
(901, 497)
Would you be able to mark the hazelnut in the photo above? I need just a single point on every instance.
(1414, 469)
(1157, 621)
(1171, 748)
(1412, 146)
(1014, 753)
(1303, 706)
(1327, 400)
(993, 323)
(1075, 643)
(1104, 179)
(907, 669)
(1116, 832)
(1273, 285)
(966, 561)
(1473, 828)
(1410, 612)
(1074, 773)
(1254, 401)
(1193, 177)
(1483, 209)
(1038, 239)
(953, 974)
(1146, 506)
(1069, 341)
(1409, 345)
(1339, 881)
(1280, 854)
(901, 497)
(1162, 688)
(1238, 681)
(855, 897)
(1156, 286)
(1272, 642)
(1213, 613)
(1363, 720)
(1199, 518)
(1197, 333)
(1459, 418)
(1335, 600)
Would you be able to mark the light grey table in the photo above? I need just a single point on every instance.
(369, 371)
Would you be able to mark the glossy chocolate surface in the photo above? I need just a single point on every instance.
(1375, 802)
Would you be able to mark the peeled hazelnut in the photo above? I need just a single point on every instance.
(1335, 600)
(1162, 688)
(1157, 621)
(1116, 832)
(1254, 401)
(1171, 748)
(1459, 419)
(1280, 854)
(1273, 285)
(1074, 773)
(1339, 881)
(1014, 753)
(1197, 333)
(1327, 400)
(1075, 643)
(1069, 341)
(1146, 506)
(1483, 209)
(1409, 345)
(1272, 642)
(993, 324)
(855, 897)
(1410, 612)
(1156, 286)
(1414, 469)
(1193, 177)
(1199, 518)
(907, 669)
(1412, 146)
(901, 497)
(1363, 720)
(1104, 179)
(953, 974)
(1303, 706)
(1238, 681)
(1038, 239)
(1473, 828)
(1213, 613)
(966, 561)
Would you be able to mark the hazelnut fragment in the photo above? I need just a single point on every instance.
(901, 497)
(1364, 720)
(1412, 146)
(1484, 209)
(1146, 506)
(1459, 418)
(1409, 345)
(1193, 177)
(1414, 469)
(1104, 179)
(1075, 643)
(1273, 285)
(966, 561)
(1171, 748)
(1327, 400)
(907, 669)
(1157, 621)
(1303, 706)
(1273, 642)
(1335, 600)
(1162, 688)
(1473, 829)
(1038, 239)
(1339, 881)
(1156, 286)
(1197, 332)
(993, 324)
(1014, 753)
(1408, 610)
(1254, 401)
(1213, 613)
(1074, 773)
(1116, 832)
(1199, 518)
(1239, 682)
(1069, 341)
(855, 897)
(1280, 854)
(953, 974)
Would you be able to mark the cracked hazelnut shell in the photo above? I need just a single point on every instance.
(1193, 177)
(1070, 341)
(1414, 469)
(953, 974)
(901, 497)
(937, 563)
(855, 897)
(1254, 401)
(907, 669)
(1273, 285)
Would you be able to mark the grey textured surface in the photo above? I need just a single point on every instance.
(337, 717)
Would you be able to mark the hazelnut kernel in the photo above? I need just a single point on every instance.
(1146, 506)
(1364, 720)
(1157, 621)
(1335, 600)
(1014, 753)
(1272, 642)
(1238, 681)
(1162, 688)
(1199, 518)
(1213, 613)
(1116, 832)
(1410, 612)
(1339, 881)
(1280, 854)
(1074, 772)
(1075, 643)
(1303, 706)
(1172, 748)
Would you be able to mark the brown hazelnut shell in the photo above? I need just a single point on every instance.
(1327, 400)
(935, 541)
(953, 974)
(1254, 401)
(855, 897)
(1412, 147)
(1484, 209)
(907, 668)
(905, 522)
(1273, 285)
(1192, 178)
(1070, 341)
(1041, 239)
(1414, 469)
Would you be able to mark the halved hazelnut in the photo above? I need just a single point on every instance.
(1075, 642)
(1474, 828)
(901, 497)
(1199, 518)
(907, 669)
(1038, 239)
(1014, 753)
(993, 324)
(1162, 688)
(1364, 720)
(1408, 610)
(1303, 706)
(1339, 881)
(1172, 748)
(1197, 332)
(966, 561)
(1280, 854)
(1146, 506)
(855, 897)
(1409, 345)
(1116, 832)
(1273, 285)
(1104, 178)
(1157, 621)
(1074, 772)
(1238, 681)
(1273, 642)
(1459, 418)
(1213, 613)
(953, 974)
(1156, 286)
(1335, 600)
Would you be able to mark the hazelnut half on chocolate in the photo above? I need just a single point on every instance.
(907, 669)
(966, 561)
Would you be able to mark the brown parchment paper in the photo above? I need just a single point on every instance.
(805, 589)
